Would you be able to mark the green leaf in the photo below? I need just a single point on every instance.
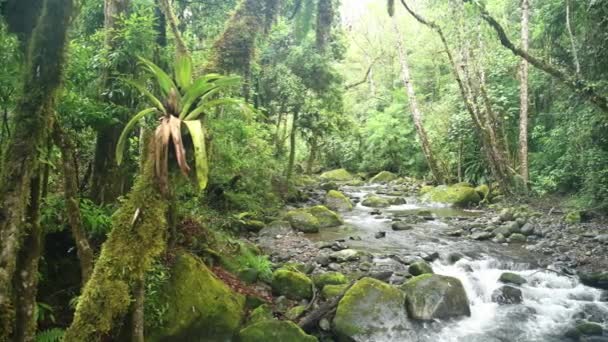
(142, 88)
(204, 87)
(120, 146)
(164, 81)
(200, 153)
(214, 103)
(183, 72)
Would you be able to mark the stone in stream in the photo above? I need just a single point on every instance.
(420, 267)
(400, 226)
(455, 232)
(528, 229)
(371, 310)
(375, 202)
(339, 175)
(303, 221)
(330, 291)
(504, 230)
(295, 285)
(454, 257)
(595, 279)
(383, 177)
(517, 238)
(585, 329)
(329, 278)
(499, 238)
(345, 255)
(480, 236)
(329, 186)
(380, 235)
(507, 294)
(274, 330)
(433, 296)
(457, 195)
(512, 278)
(335, 200)
(396, 201)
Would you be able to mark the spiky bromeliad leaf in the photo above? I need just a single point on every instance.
(164, 81)
(195, 114)
(122, 140)
(203, 88)
(183, 72)
(197, 133)
(142, 88)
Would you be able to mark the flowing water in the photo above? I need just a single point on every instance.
(553, 302)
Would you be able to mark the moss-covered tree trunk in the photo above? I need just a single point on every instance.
(42, 75)
(292, 150)
(138, 235)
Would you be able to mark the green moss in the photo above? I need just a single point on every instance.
(364, 308)
(511, 278)
(483, 191)
(330, 291)
(375, 202)
(573, 217)
(426, 189)
(295, 312)
(125, 257)
(460, 196)
(259, 314)
(326, 217)
(383, 177)
(589, 328)
(293, 285)
(329, 278)
(340, 175)
(303, 221)
(199, 304)
(420, 267)
(432, 296)
(335, 200)
(274, 330)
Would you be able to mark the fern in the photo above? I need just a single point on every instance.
(50, 335)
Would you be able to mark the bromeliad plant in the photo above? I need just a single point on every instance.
(182, 100)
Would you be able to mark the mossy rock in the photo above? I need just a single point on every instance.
(199, 305)
(573, 217)
(325, 217)
(292, 284)
(259, 314)
(383, 177)
(595, 279)
(459, 196)
(432, 296)
(295, 312)
(253, 225)
(425, 189)
(517, 238)
(375, 202)
(329, 278)
(339, 175)
(419, 268)
(589, 329)
(274, 330)
(371, 310)
(303, 221)
(329, 186)
(330, 291)
(483, 191)
(512, 278)
(335, 200)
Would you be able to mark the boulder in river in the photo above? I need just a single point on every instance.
(483, 191)
(375, 202)
(383, 177)
(339, 175)
(335, 200)
(456, 195)
(292, 284)
(303, 221)
(400, 225)
(517, 238)
(433, 296)
(330, 291)
(372, 310)
(420, 267)
(595, 279)
(199, 305)
(481, 235)
(326, 217)
(507, 294)
(329, 278)
(274, 330)
(345, 255)
(511, 278)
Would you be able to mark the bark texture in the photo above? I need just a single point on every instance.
(523, 95)
(42, 75)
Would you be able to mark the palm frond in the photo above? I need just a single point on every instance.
(122, 140)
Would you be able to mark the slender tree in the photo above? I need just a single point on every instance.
(523, 94)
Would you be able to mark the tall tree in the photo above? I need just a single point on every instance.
(523, 94)
(406, 78)
(20, 232)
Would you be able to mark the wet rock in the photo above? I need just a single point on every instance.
(274, 330)
(595, 279)
(330, 291)
(329, 278)
(589, 329)
(420, 267)
(430, 257)
(455, 232)
(504, 230)
(603, 238)
(506, 214)
(292, 284)
(396, 200)
(432, 296)
(329, 186)
(322, 260)
(527, 229)
(381, 275)
(593, 312)
(400, 226)
(338, 246)
(335, 200)
(499, 238)
(375, 202)
(340, 175)
(303, 221)
(512, 278)
(457, 195)
(383, 177)
(517, 238)
(324, 324)
(371, 310)
(452, 258)
(345, 255)
(334, 267)
(507, 294)
(326, 217)
(480, 236)
(380, 235)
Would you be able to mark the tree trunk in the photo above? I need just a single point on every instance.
(72, 202)
(292, 149)
(137, 318)
(523, 96)
(325, 17)
(169, 16)
(139, 232)
(415, 110)
(577, 64)
(312, 156)
(109, 180)
(42, 71)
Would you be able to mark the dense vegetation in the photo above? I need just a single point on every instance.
(133, 129)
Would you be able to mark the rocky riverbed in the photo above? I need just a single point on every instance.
(388, 232)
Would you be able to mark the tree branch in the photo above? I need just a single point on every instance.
(369, 70)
